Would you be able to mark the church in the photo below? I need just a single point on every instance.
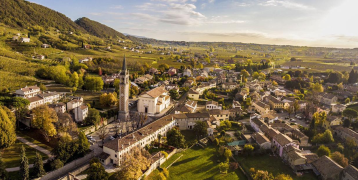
(154, 101)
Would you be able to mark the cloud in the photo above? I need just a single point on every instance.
(211, 1)
(150, 6)
(117, 7)
(286, 4)
(95, 14)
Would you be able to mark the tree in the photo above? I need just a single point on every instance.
(163, 67)
(340, 147)
(223, 167)
(227, 154)
(323, 138)
(255, 75)
(56, 164)
(39, 166)
(43, 119)
(165, 172)
(216, 142)
(248, 149)
(323, 151)
(108, 100)
(7, 127)
(347, 101)
(283, 177)
(234, 165)
(96, 171)
(200, 128)
(175, 138)
(244, 73)
(3, 172)
(83, 144)
(350, 113)
(287, 77)
(24, 165)
(74, 80)
(296, 106)
(174, 94)
(103, 133)
(133, 165)
(93, 83)
(289, 110)
(42, 87)
(347, 123)
(262, 175)
(317, 87)
(340, 159)
(93, 117)
(351, 143)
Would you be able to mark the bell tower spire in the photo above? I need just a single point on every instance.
(124, 66)
(123, 95)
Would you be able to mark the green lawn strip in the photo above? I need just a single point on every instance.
(11, 155)
(37, 135)
(30, 139)
(198, 163)
(272, 164)
(170, 160)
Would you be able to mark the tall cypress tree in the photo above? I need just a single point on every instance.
(39, 166)
(3, 172)
(24, 166)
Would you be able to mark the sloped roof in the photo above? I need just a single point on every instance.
(282, 139)
(156, 92)
(327, 166)
(260, 138)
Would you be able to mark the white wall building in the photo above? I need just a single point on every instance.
(27, 92)
(154, 101)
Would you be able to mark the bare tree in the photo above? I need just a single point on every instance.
(103, 133)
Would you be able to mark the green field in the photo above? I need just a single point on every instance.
(272, 164)
(198, 163)
(11, 155)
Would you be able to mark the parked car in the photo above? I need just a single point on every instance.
(293, 120)
(89, 137)
(111, 138)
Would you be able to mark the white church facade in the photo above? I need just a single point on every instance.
(154, 101)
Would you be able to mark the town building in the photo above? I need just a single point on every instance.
(327, 168)
(281, 141)
(212, 105)
(154, 101)
(193, 94)
(27, 92)
(220, 115)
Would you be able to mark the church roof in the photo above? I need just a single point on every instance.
(156, 92)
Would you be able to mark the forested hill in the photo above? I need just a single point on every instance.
(24, 14)
(98, 29)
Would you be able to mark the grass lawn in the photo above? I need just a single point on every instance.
(35, 136)
(272, 164)
(198, 163)
(190, 137)
(30, 139)
(11, 155)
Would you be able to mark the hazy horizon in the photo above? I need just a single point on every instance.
(320, 23)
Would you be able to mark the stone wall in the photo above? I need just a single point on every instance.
(65, 170)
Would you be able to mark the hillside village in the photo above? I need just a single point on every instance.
(80, 100)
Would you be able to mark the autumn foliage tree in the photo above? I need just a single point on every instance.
(44, 119)
(340, 159)
(108, 100)
(7, 127)
(133, 164)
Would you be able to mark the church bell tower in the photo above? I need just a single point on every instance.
(123, 97)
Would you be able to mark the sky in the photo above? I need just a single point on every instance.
(327, 23)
